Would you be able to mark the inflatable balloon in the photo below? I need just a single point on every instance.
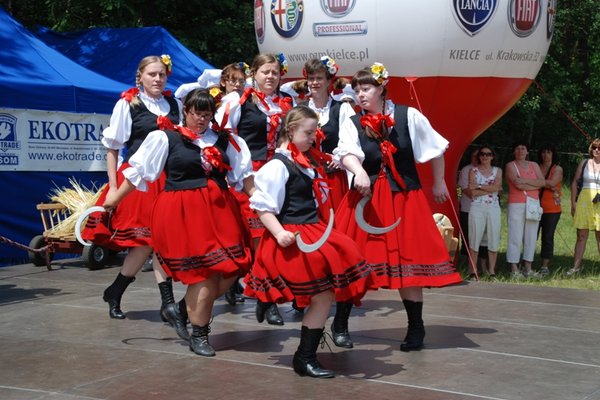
(462, 63)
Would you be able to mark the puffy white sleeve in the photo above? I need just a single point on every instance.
(348, 142)
(240, 163)
(149, 161)
(346, 111)
(118, 131)
(269, 182)
(427, 143)
(184, 89)
(230, 104)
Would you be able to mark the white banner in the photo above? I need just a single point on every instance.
(35, 140)
(412, 38)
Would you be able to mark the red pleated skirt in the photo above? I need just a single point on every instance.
(283, 274)
(129, 224)
(200, 232)
(338, 187)
(252, 221)
(412, 254)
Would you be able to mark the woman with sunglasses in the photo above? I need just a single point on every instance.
(585, 207)
(485, 181)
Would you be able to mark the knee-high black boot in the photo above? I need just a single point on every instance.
(339, 327)
(199, 341)
(416, 331)
(170, 312)
(112, 295)
(305, 359)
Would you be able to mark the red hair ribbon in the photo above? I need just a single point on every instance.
(320, 136)
(213, 157)
(165, 124)
(260, 95)
(221, 128)
(375, 121)
(129, 94)
(387, 151)
(298, 156)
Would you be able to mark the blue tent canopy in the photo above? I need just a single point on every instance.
(116, 52)
(36, 77)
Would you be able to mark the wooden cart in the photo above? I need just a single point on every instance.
(95, 257)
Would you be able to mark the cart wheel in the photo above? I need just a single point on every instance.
(37, 258)
(95, 256)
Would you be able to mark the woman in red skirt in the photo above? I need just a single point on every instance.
(198, 231)
(381, 147)
(128, 227)
(288, 192)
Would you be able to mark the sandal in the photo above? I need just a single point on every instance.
(572, 272)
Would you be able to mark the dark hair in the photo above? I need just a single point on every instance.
(314, 66)
(365, 77)
(519, 143)
(552, 148)
(485, 146)
(199, 100)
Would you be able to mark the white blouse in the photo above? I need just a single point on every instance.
(427, 143)
(346, 111)
(149, 161)
(118, 132)
(270, 181)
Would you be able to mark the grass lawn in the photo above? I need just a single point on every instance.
(564, 245)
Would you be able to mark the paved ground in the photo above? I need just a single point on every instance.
(484, 341)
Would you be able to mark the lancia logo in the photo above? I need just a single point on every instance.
(337, 8)
(524, 16)
(473, 16)
(259, 21)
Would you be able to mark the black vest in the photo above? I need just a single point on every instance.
(332, 128)
(299, 203)
(143, 122)
(404, 159)
(184, 164)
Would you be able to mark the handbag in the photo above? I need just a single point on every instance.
(533, 209)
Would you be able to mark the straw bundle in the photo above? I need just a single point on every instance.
(76, 200)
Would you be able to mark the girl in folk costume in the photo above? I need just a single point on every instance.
(319, 74)
(286, 199)
(225, 86)
(380, 146)
(198, 230)
(258, 121)
(128, 227)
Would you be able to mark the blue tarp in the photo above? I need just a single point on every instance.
(35, 76)
(116, 52)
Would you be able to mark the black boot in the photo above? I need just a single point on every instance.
(416, 331)
(183, 310)
(113, 293)
(270, 311)
(305, 359)
(339, 327)
(166, 296)
(231, 294)
(199, 341)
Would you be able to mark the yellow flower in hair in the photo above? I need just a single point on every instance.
(217, 94)
(379, 72)
(166, 59)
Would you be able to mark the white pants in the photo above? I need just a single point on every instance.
(520, 232)
(485, 219)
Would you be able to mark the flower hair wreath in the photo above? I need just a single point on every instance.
(283, 64)
(166, 59)
(380, 74)
(246, 68)
(330, 64)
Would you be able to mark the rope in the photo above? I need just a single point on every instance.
(559, 106)
(27, 248)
